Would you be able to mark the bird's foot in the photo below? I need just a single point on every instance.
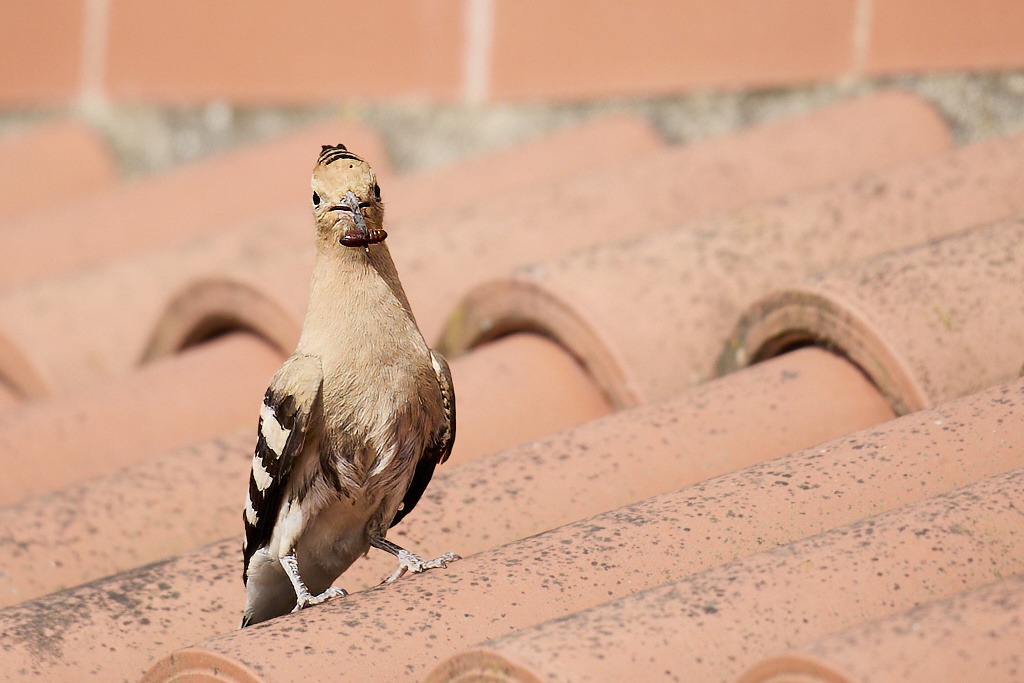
(410, 563)
(303, 598)
(308, 599)
(414, 564)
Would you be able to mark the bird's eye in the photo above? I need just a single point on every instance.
(376, 191)
(316, 199)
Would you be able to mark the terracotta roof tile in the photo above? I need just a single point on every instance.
(158, 507)
(212, 389)
(219, 194)
(113, 333)
(753, 415)
(553, 158)
(813, 395)
(578, 517)
(187, 203)
(935, 546)
(542, 390)
(927, 324)
(678, 184)
(690, 284)
(711, 626)
(59, 156)
(167, 403)
(257, 278)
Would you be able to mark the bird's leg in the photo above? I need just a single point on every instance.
(303, 598)
(409, 562)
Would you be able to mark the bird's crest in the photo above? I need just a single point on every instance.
(331, 153)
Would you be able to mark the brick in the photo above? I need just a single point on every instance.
(40, 44)
(587, 48)
(945, 34)
(301, 52)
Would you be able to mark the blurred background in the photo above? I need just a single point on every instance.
(167, 82)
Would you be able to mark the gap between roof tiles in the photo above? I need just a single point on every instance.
(148, 139)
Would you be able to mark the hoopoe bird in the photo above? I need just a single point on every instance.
(355, 421)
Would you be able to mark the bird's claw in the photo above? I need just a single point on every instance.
(309, 600)
(414, 564)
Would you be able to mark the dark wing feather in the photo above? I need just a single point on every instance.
(439, 448)
(285, 417)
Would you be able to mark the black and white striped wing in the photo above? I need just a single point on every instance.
(440, 446)
(284, 422)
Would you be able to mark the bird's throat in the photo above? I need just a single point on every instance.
(351, 292)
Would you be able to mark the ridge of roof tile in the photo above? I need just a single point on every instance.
(550, 159)
(676, 535)
(926, 324)
(691, 283)
(970, 636)
(593, 467)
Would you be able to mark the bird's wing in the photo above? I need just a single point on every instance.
(439, 448)
(284, 422)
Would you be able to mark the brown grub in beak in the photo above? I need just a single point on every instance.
(355, 238)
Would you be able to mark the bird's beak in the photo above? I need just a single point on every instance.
(357, 213)
(360, 235)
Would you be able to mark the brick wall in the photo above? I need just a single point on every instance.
(314, 51)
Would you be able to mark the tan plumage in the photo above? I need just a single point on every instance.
(355, 420)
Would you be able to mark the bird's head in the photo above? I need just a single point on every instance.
(346, 199)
